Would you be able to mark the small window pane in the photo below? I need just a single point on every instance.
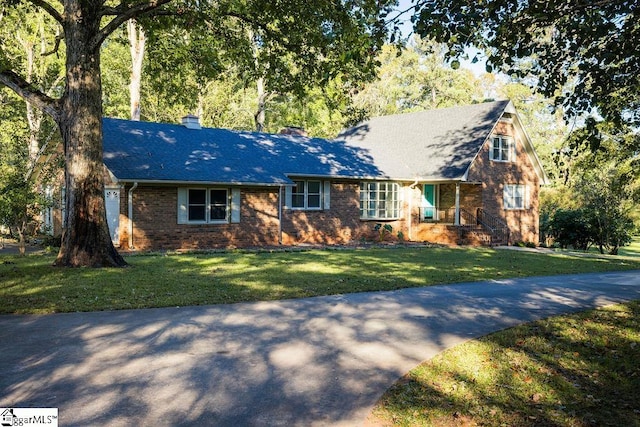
(314, 201)
(197, 197)
(297, 200)
(197, 213)
(197, 205)
(219, 197)
(218, 201)
(314, 187)
(218, 213)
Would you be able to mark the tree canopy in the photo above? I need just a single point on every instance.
(311, 36)
(584, 54)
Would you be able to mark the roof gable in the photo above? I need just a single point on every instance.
(428, 145)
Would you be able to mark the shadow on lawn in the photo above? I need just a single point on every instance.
(577, 370)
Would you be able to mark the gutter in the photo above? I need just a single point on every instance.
(130, 213)
(280, 214)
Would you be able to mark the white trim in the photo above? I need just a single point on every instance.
(524, 195)
(326, 195)
(398, 201)
(235, 205)
(507, 145)
(183, 206)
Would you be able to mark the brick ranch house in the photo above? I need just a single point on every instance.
(462, 175)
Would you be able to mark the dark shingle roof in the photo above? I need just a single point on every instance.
(430, 145)
(145, 151)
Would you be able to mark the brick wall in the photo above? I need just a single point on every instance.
(523, 224)
(155, 212)
(338, 225)
(155, 223)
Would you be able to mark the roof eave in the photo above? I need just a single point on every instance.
(208, 183)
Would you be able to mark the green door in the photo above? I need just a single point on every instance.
(429, 201)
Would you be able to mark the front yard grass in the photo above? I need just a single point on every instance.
(573, 370)
(31, 285)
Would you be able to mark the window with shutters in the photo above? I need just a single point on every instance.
(503, 149)
(516, 196)
(306, 195)
(207, 205)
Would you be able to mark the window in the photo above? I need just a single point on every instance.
(207, 205)
(503, 149)
(306, 195)
(516, 196)
(379, 200)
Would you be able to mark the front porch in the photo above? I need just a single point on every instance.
(460, 227)
(452, 213)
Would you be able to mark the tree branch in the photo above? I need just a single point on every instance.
(49, 9)
(30, 94)
(55, 49)
(122, 15)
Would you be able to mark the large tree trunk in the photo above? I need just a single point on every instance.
(85, 240)
(259, 116)
(137, 41)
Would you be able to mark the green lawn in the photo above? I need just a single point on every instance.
(30, 285)
(633, 250)
(574, 370)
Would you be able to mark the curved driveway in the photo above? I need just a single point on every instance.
(315, 361)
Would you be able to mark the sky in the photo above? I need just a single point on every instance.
(407, 30)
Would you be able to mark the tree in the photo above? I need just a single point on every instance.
(583, 54)
(350, 31)
(416, 78)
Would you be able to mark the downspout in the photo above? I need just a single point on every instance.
(410, 228)
(280, 215)
(457, 213)
(130, 213)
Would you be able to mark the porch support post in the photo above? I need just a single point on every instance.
(457, 213)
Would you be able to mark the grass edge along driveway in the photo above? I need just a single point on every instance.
(30, 285)
(572, 370)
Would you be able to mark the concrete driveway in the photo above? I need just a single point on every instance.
(315, 361)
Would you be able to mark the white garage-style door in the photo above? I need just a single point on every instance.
(112, 204)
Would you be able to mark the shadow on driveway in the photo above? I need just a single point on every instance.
(315, 361)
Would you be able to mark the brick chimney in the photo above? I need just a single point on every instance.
(191, 122)
(294, 130)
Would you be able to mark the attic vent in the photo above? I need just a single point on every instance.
(294, 130)
(191, 122)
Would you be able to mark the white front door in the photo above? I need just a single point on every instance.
(112, 204)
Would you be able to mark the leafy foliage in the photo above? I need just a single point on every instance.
(571, 228)
(300, 42)
(582, 53)
(416, 78)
